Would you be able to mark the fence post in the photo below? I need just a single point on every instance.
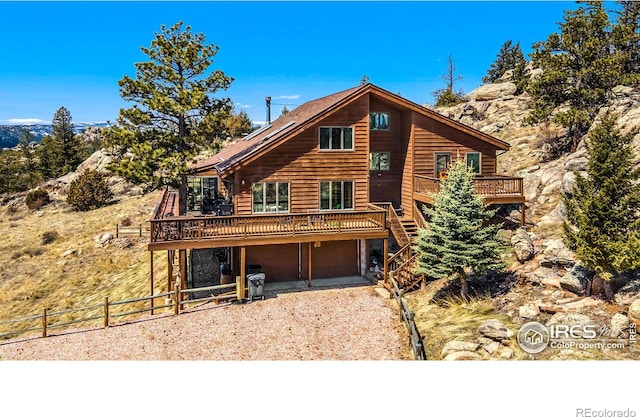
(44, 322)
(176, 289)
(106, 311)
(140, 229)
(117, 230)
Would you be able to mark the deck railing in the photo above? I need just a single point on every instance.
(243, 227)
(489, 186)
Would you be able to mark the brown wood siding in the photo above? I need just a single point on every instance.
(385, 186)
(301, 163)
(334, 259)
(432, 136)
(407, 173)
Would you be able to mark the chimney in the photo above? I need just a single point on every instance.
(268, 101)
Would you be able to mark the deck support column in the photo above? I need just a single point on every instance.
(151, 264)
(309, 276)
(523, 211)
(385, 261)
(169, 270)
(182, 262)
(243, 270)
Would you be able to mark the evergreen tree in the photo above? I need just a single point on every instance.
(239, 124)
(603, 213)
(581, 64)
(510, 57)
(30, 170)
(12, 175)
(626, 40)
(175, 115)
(457, 239)
(70, 145)
(446, 96)
(50, 160)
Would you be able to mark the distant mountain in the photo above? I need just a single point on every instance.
(10, 134)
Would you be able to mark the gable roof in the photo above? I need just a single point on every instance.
(288, 125)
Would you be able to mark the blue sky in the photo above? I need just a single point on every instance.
(72, 54)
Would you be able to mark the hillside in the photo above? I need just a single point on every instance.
(10, 134)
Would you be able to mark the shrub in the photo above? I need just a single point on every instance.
(89, 191)
(126, 222)
(37, 198)
(49, 237)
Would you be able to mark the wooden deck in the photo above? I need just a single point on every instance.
(495, 189)
(181, 232)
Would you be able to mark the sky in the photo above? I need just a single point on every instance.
(72, 54)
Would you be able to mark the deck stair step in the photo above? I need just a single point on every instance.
(410, 227)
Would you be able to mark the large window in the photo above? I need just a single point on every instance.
(270, 197)
(379, 121)
(336, 195)
(202, 193)
(473, 161)
(336, 138)
(379, 161)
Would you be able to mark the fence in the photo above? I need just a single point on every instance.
(104, 313)
(139, 230)
(407, 316)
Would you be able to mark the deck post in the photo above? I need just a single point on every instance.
(243, 270)
(309, 264)
(385, 261)
(182, 262)
(169, 269)
(152, 283)
(523, 211)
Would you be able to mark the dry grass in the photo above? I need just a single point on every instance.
(37, 275)
(453, 319)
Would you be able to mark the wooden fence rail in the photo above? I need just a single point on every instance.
(139, 230)
(407, 316)
(176, 296)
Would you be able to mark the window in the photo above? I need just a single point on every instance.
(202, 193)
(270, 197)
(379, 121)
(473, 161)
(336, 138)
(443, 161)
(379, 161)
(336, 195)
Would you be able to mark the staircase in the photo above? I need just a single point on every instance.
(410, 227)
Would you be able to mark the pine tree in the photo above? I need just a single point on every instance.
(603, 212)
(446, 97)
(581, 64)
(70, 145)
(50, 160)
(510, 57)
(175, 115)
(457, 239)
(27, 150)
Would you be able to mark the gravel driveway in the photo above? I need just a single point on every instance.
(352, 323)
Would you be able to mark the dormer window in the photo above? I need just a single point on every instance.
(336, 138)
(379, 120)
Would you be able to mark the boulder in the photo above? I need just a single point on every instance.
(492, 91)
(569, 319)
(495, 329)
(555, 262)
(529, 311)
(569, 182)
(553, 248)
(634, 312)
(619, 323)
(577, 280)
(505, 353)
(462, 356)
(531, 184)
(628, 293)
(522, 245)
(458, 346)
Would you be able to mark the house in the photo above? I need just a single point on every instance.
(329, 189)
